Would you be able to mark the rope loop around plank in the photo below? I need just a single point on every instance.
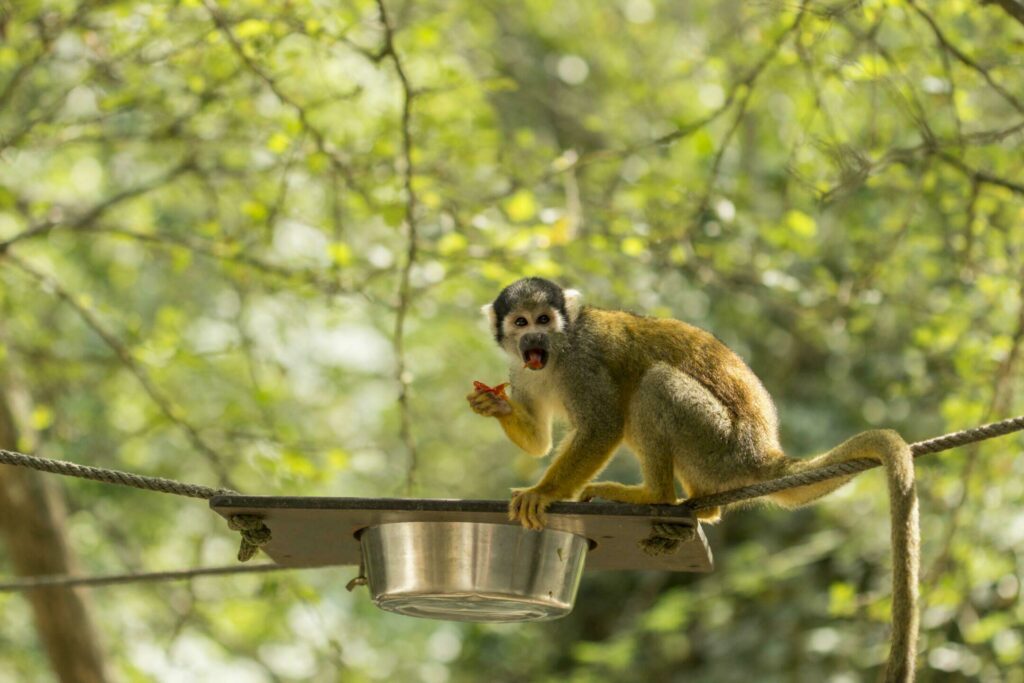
(666, 538)
(255, 534)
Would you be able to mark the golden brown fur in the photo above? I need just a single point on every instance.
(687, 406)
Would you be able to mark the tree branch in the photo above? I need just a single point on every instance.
(738, 90)
(228, 254)
(983, 177)
(319, 138)
(404, 288)
(1012, 7)
(89, 217)
(965, 59)
(1002, 395)
(164, 403)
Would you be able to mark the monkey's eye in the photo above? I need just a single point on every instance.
(521, 322)
(543, 320)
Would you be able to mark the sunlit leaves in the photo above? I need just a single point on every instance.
(521, 206)
(632, 246)
(842, 600)
(800, 223)
(451, 244)
(341, 253)
(842, 234)
(278, 143)
(41, 418)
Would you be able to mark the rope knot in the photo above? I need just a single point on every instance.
(255, 534)
(666, 537)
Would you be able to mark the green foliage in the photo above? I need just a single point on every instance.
(205, 226)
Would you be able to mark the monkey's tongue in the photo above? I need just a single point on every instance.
(535, 359)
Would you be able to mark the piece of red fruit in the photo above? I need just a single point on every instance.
(498, 391)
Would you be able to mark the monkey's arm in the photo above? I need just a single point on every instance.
(597, 428)
(528, 426)
(526, 422)
(581, 456)
(597, 431)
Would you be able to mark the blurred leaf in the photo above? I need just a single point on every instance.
(521, 206)
(800, 223)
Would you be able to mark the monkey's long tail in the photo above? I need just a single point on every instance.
(898, 460)
(906, 553)
(903, 512)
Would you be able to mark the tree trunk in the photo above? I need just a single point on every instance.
(32, 522)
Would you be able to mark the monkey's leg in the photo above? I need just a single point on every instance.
(678, 429)
(709, 515)
(659, 485)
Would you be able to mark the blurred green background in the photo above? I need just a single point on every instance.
(234, 235)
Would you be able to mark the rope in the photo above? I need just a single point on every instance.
(254, 532)
(118, 477)
(665, 538)
(53, 580)
(939, 443)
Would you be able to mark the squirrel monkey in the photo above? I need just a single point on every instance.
(685, 404)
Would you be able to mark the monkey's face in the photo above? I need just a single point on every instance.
(529, 334)
(530, 318)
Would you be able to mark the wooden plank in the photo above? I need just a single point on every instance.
(313, 532)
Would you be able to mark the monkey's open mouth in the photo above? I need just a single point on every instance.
(535, 359)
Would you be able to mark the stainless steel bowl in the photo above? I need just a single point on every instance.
(472, 571)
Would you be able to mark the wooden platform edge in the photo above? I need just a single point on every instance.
(445, 505)
(322, 531)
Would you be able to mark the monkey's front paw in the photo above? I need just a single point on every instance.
(528, 506)
(487, 404)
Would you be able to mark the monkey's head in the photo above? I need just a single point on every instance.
(530, 319)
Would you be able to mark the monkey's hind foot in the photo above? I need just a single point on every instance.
(710, 515)
(622, 493)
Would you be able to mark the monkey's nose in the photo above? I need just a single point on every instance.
(533, 340)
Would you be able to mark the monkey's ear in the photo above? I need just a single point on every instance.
(492, 317)
(573, 303)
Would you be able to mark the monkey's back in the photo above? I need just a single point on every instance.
(628, 345)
